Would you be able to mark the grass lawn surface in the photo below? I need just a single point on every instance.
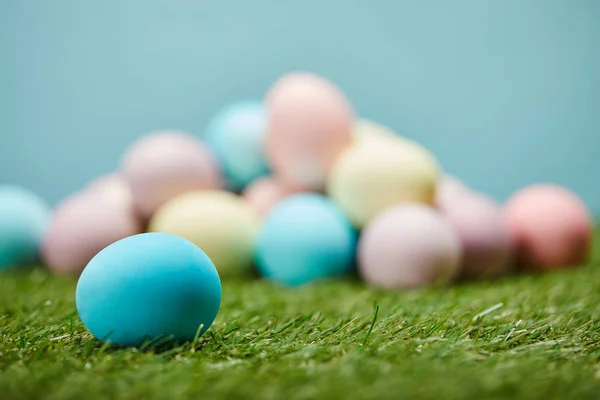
(522, 337)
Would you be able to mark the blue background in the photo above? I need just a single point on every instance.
(504, 92)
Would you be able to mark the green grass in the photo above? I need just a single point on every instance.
(523, 337)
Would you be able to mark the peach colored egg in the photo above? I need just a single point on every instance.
(484, 235)
(112, 186)
(264, 193)
(164, 164)
(550, 226)
(309, 124)
(81, 226)
(409, 246)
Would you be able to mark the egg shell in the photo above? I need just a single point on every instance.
(265, 192)
(484, 235)
(236, 136)
(451, 190)
(112, 186)
(409, 246)
(24, 218)
(222, 224)
(309, 124)
(373, 175)
(366, 129)
(550, 227)
(82, 225)
(148, 287)
(164, 164)
(305, 238)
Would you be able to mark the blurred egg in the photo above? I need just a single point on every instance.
(82, 225)
(111, 186)
(265, 192)
(484, 235)
(305, 238)
(236, 136)
(24, 218)
(373, 175)
(309, 124)
(451, 190)
(148, 287)
(409, 246)
(164, 164)
(365, 129)
(550, 226)
(220, 223)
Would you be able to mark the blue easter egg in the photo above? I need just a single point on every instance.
(236, 137)
(24, 218)
(152, 286)
(304, 238)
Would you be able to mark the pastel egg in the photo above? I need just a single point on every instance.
(265, 192)
(82, 225)
(366, 129)
(484, 235)
(309, 124)
(305, 238)
(409, 246)
(112, 186)
(550, 226)
(451, 190)
(220, 223)
(148, 288)
(24, 218)
(164, 164)
(371, 176)
(236, 136)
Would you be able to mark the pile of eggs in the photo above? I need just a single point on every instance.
(295, 186)
(300, 188)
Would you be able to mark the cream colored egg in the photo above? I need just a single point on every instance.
(220, 223)
(366, 129)
(373, 175)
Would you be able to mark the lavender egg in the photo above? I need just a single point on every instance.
(165, 164)
(82, 225)
(484, 235)
(409, 246)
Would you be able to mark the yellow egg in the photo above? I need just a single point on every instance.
(374, 174)
(220, 223)
(365, 129)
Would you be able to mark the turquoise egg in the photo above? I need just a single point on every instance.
(24, 218)
(236, 137)
(149, 287)
(305, 238)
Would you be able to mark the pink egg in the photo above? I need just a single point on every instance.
(164, 164)
(550, 227)
(81, 226)
(484, 235)
(112, 186)
(265, 192)
(408, 246)
(309, 124)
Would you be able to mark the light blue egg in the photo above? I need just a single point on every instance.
(304, 238)
(149, 287)
(236, 136)
(24, 218)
